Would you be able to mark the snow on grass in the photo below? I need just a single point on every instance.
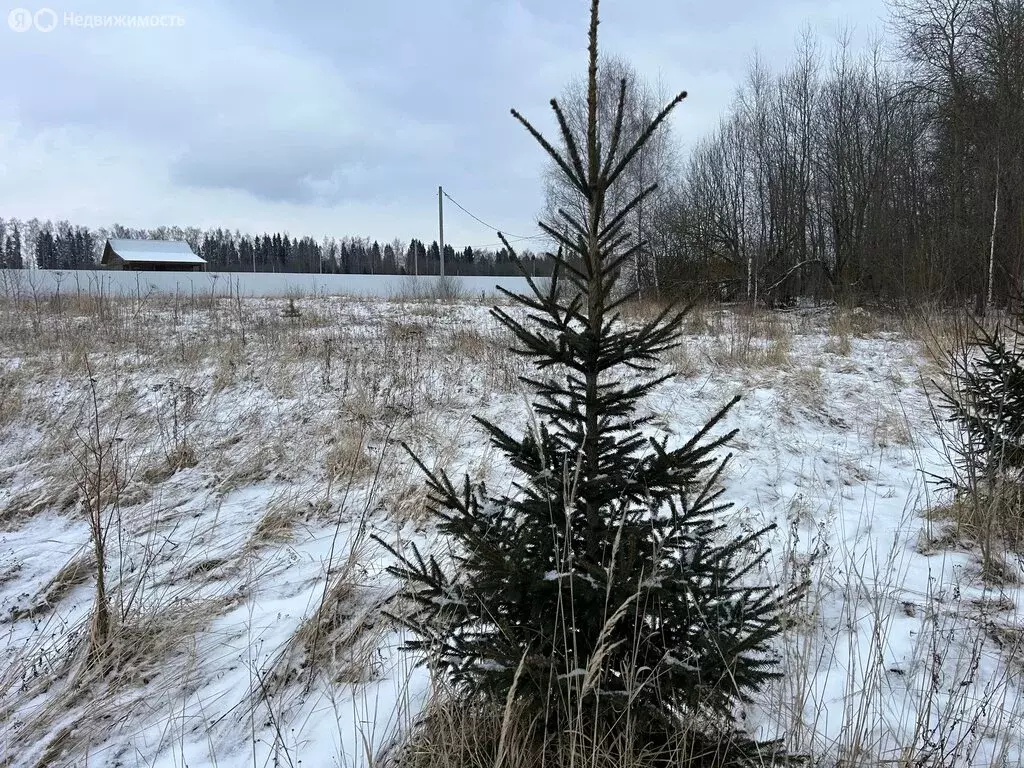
(260, 454)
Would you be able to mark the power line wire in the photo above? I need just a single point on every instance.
(487, 247)
(490, 226)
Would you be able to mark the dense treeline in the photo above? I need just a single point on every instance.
(62, 246)
(865, 180)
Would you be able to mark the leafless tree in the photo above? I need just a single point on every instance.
(656, 162)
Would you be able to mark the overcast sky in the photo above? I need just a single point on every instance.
(342, 117)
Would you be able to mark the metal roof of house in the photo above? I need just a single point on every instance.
(170, 251)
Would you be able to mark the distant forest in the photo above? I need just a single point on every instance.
(61, 245)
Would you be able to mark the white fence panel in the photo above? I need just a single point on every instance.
(46, 282)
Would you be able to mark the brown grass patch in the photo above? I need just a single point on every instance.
(746, 351)
(683, 359)
(12, 398)
(639, 311)
(747, 338)
(488, 348)
(997, 515)
(204, 567)
(140, 651)
(340, 638)
(10, 573)
(274, 527)
(889, 427)
(407, 502)
(807, 386)
(941, 333)
(1010, 639)
(456, 733)
(54, 495)
(347, 454)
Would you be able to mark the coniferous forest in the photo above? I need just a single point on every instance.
(48, 245)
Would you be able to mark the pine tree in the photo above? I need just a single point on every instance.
(604, 589)
(433, 259)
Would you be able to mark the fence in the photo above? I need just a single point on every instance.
(21, 283)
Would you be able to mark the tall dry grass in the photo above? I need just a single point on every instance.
(133, 400)
(215, 395)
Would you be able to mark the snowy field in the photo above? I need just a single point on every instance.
(241, 460)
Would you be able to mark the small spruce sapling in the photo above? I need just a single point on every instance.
(602, 589)
(985, 401)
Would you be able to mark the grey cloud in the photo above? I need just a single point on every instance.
(299, 167)
(287, 172)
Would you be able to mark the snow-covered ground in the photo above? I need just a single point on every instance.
(246, 460)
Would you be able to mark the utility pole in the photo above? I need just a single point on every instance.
(440, 225)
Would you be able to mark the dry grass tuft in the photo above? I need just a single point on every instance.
(10, 573)
(1009, 638)
(341, 637)
(276, 526)
(753, 339)
(51, 493)
(847, 323)
(456, 733)
(403, 332)
(642, 310)
(143, 649)
(839, 344)
(408, 503)
(488, 348)
(749, 352)
(347, 454)
(806, 386)
(284, 511)
(683, 359)
(252, 466)
(994, 519)
(12, 399)
(941, 332)
(944, 537)
(862, 323)
(206, 567)
(889, 427)
(142, 643)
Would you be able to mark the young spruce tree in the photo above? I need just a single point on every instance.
(985, 400)
(600, 591)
